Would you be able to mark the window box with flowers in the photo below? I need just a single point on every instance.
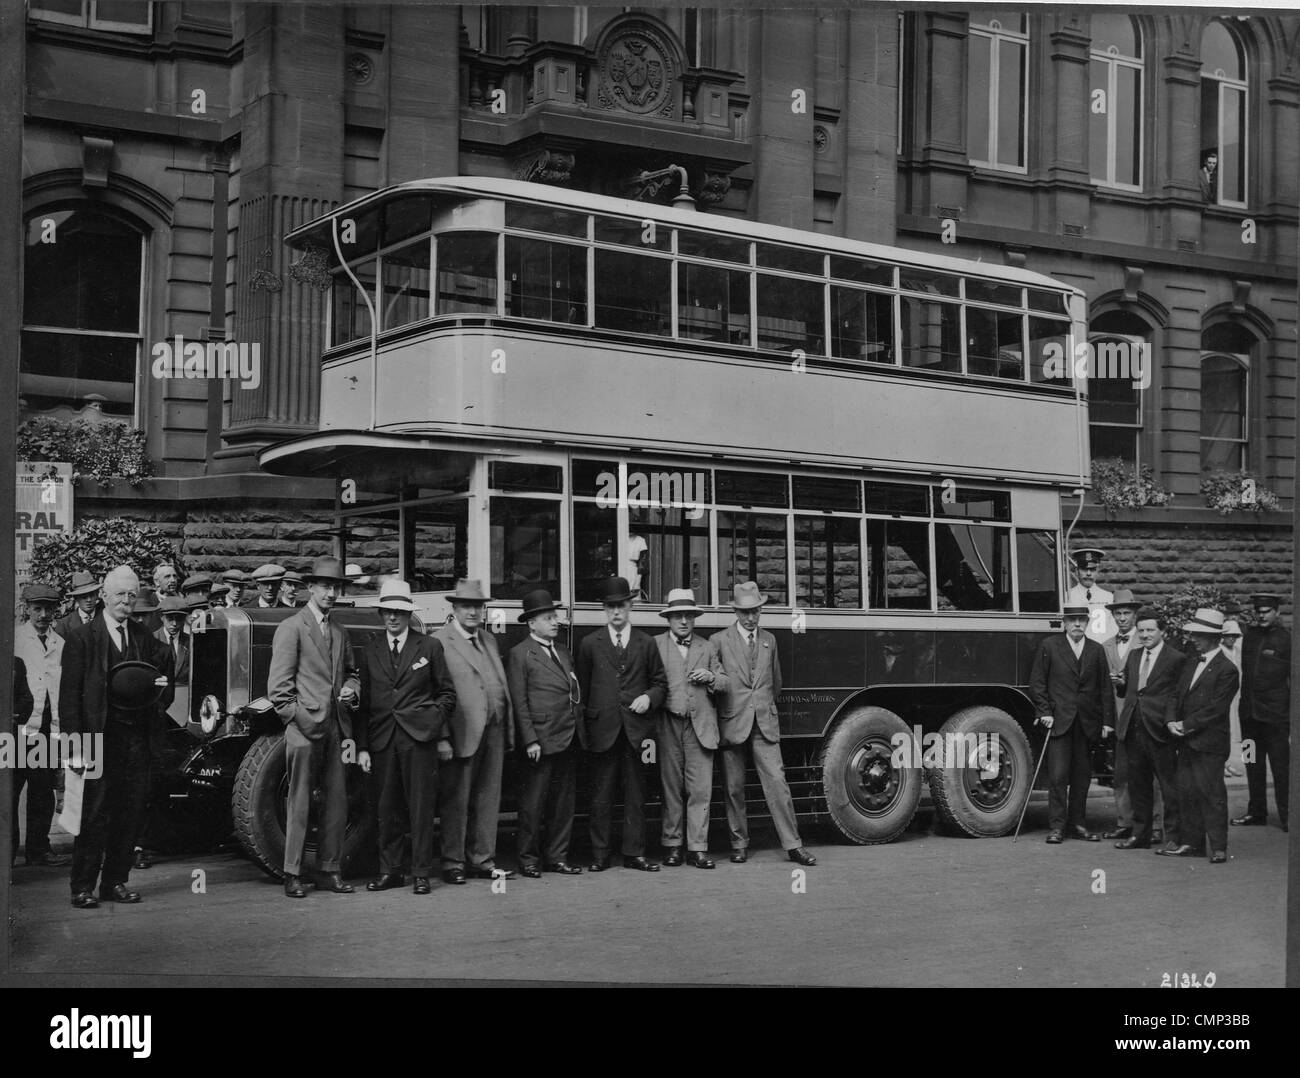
(1117, 485)
(99, 451)
(1230, 492)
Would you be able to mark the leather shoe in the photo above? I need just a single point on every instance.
(386, 882)
(453, 875)
(293, 887)
(696, 859)
(530, 872)
(800, 856)
(739, 857)
(640, 864)
(1119, 832)
(1157, 835)
(1054, 837)
(1184, 850)
(84, 900)
(1250, 820)
(338, 884)
(118, 893)
(1081, 832)
(599, 865)
(50, 859)
(673, 857)
(563, 868)
(478, 872)
(1218, 857)
(142, 860)
(1132, 843)
(422, 885)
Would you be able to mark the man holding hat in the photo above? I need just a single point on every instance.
(267, 578)
(482, 732)
(1197, 716)
(688, 730)
(750, 719)
(407, 697)
(84, 590)
(544, 692)
(314, 685)
(1266, 710)
(1088, 593)
(40, 650)
(109, 686)
(1123, 608)
(1071, 689)
(622, 682)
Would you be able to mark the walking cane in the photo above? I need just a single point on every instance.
(1029, 793)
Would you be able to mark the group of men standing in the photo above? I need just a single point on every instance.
(435, 716)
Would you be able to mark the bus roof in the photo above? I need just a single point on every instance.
(566, 198)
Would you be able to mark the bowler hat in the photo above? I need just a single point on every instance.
(1205, 620)
(83, 583)
(615, 590)
(680, 601)
(41, 593)
(131, 686)
(467, 591)
(396, 595)
(536, 602)
(1123, 598)
(327, 570)
(1273, 602)
(746, 596)
(1076, 612)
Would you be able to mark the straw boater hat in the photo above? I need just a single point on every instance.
(746, 596)
(327, 570)
(537, 602)
(1207, 621)
(615, 589)
(1123, 598)
(1231, 628)
(396, 595)
(1076, 612)
(467, 591)
(680, 601)
(83, 583)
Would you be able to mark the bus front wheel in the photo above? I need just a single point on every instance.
(870, 798)
(980, 785)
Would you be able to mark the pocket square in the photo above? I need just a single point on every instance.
(422, 662)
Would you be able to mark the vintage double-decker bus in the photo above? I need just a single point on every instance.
(540, 387)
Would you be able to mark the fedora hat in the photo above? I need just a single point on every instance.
(537, 602)
(41, 593)
(268, 573)
(396, 595)
(328, 570)
(1076, 612)
(746, 596)
(1205, 620)
(1123, 597)
(1231, 628)
(83, 583)
(680, 601)
(131, 686)
(467, 591)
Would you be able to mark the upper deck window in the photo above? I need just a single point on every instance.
(406, 284)
(351, 316)
(546, 280)
(467, 273)
(862, 325)
(629, 232)
(995, 343)
(1009, 295)
(791, 259)
(860, 271)
(791, 315)
(406, 217)
(717, 248)
(931, 334)
(633, 292)
(712, 303)
(553, 222)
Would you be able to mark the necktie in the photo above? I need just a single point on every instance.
(121, 636)
(1145, 671)
(1122, 638)
(753, 648)
(395, 653)
(618, 647)
(550, 650)
(44, 645)
(1090, 595)
(474, 643)
(329, 643)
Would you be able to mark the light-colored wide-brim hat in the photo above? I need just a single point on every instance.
(1206, 620)
(680, 601)
(468, 591)
(83, 583)
(1231, 628)
(1123, 598)
(396, 595)
(746, 596)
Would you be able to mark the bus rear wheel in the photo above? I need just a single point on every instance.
(982, 794)
(870, 800)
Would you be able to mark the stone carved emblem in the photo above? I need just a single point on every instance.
(637, 71)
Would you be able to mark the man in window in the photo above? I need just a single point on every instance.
(750, 725)
(1071, 690)
(1266, 710)
(1208, 176)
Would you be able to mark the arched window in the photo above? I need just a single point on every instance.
(1225, 393)
(997, 101)
(1121, 345)
(82, 312)
(1115, 102)
(1224, 110)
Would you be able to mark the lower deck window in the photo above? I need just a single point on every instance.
(525, 546)
(752, 546)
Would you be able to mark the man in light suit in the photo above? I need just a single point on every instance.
(1150, 759)
(688, 730)
(84, 590)
(314, 684)
(407, 698)
(482, 732)
(1072, 692)
(544, 692)
(1197, 716)
(41, 650)
(621, 678)
(750, 725)
(103, 691)
(1118, 647)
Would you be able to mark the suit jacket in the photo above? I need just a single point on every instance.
(44, 669)
(469, 667)
(1204, 707)
(72, 621)
(751, 694)
(22, 692)
(1150, 703)
(1071, 689)
(302, 683)
(1116, 662)
(182, 668)
(1266, 674)
(542, 695)
(419, 696)
(703, 653)
(607, 691)
(88, 654)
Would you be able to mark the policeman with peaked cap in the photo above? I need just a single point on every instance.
(1265, 710)
(84, 591)
(1087, 592)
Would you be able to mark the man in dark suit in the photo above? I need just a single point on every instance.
(314, 685)
(749, 720)
(688, 730)
(622, 681)
(482, 732)
(1198, 717)
(544, 692)
(1149, 679)
(1072, 692)
(407, 698)
(84, 590)
(1266, 711)
(92, 702)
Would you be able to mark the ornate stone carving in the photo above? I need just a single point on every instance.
(638, 68)
(714, 188)
(548, 166)
(360, 69)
